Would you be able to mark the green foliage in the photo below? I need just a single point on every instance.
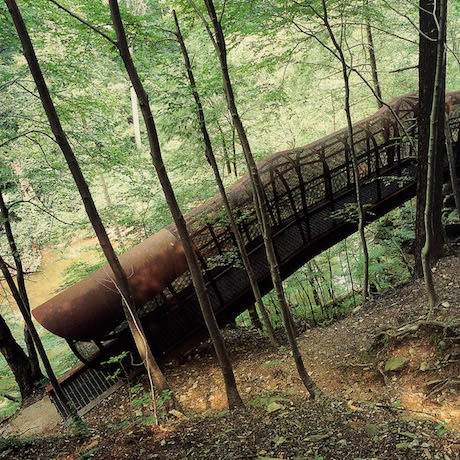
(273, 362)
(12, 442)
(287, 91)
(117, 362)
(89, 453)
(77, 271)
(442, 428)
(266, 400)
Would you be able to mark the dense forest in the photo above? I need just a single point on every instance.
(123, 119)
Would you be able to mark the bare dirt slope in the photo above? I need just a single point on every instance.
(411, 412)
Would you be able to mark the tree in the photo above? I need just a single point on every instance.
(373, 61)
(17, 360)
(121, 280)
(359, 201)
(218, 41)
(429, 15)
(36, 373)
(233, 397)
(435, 130)
(228, 210)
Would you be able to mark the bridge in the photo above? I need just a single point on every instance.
(304, 188)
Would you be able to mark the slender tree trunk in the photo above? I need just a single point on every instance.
(255, 320)
(427, 57)
(134, 101)
(228, 210)
(32, 352)
(331, 277)
(435, 119)
(17, 360)
(347, 257)
(25, 312)
(121, 280)
(105, 189)
(452, 168)
(350, 140)
(373, 62)
(235, 169)
(135, 111)
(258, 197)
(108, 202)
(227, 163)
(234, 399)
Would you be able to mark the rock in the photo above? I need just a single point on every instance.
(407, 445)
(177, 414)
(424, 366)
(38, 419)
(396, 363)
(273, 407)
(372, 430)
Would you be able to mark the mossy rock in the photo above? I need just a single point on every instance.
(395, 364)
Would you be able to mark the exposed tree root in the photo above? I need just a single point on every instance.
(438, 386)
(450, 333)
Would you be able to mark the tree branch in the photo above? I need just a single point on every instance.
(87, 24)
(41, 209)
(206, 24)
(11, 139)
(403, 69)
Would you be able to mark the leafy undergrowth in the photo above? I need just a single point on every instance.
(394, 399)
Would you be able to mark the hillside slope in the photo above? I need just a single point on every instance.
(412, 412)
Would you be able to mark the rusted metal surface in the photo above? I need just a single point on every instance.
(92, 307)
(303, 186)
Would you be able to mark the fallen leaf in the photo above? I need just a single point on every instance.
(273, 407)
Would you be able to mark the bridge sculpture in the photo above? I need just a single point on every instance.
(303, 187)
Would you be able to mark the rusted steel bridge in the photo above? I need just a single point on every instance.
(304, 187)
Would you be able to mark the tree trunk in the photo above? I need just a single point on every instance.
(17, 360)
(61, 139)
(350, 140)
(227, 163)
(108, 202)
(373, 62)
(234, 399)
(235, 169)
(427, 56)
(433, 145)
(105, 189)
(135, 111)
(258, 197)
(228, 210)
(32, 352)
(25, 312)
(255, 320)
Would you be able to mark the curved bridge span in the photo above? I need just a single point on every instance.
(303, 187)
